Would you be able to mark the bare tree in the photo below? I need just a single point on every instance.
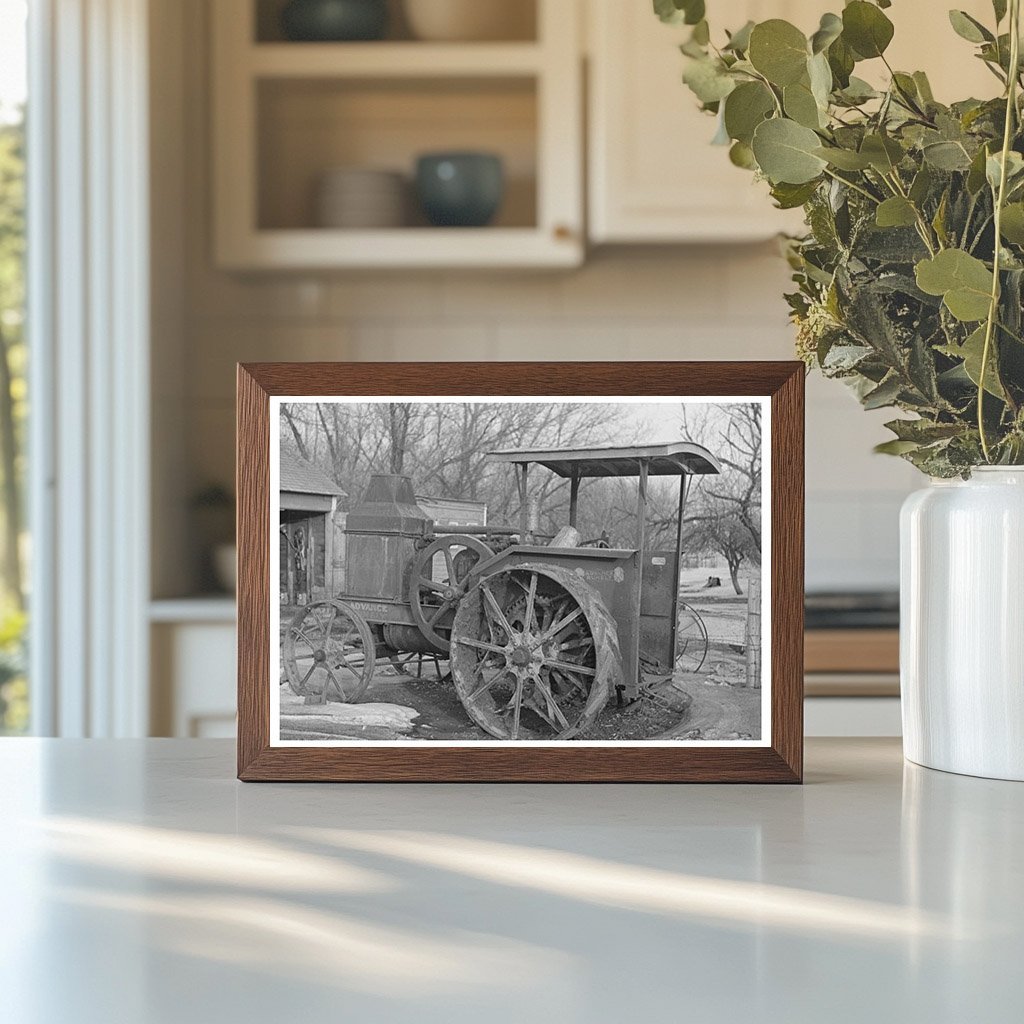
(741, 455)
(725, 516)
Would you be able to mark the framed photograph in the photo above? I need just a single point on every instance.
(520, 572)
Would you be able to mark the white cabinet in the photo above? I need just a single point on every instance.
(192, 649)
(286, 113)
(653, 175)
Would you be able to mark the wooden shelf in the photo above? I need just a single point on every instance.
(401, 247)
(393, 60)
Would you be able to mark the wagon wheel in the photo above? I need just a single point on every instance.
(329, 653)
(535, 654)
(433, 601)
(691, 640)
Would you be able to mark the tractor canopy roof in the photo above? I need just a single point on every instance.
(673, 458)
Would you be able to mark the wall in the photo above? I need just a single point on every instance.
(666, 303)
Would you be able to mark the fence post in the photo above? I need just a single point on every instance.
(753, 638)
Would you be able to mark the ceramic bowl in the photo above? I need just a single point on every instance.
(334, 20)
(460, 189)
(470, 20)
(360, 197)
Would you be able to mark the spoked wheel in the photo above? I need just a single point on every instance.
(329, 653)
(691, 640)
(535, 654)
(435, 590)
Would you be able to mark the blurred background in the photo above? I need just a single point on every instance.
(247, 180)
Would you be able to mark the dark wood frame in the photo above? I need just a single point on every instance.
(782, 761)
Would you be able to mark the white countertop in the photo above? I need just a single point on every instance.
(143, 885)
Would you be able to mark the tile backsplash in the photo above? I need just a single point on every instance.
(721, 302)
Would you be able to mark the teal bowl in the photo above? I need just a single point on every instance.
(334, 21)
(460, 190)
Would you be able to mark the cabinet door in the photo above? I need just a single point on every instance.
(654, 175)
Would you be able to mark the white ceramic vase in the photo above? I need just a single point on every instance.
(962, 624)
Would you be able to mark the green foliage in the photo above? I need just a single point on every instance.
(910, 277)
(14, 707)
(13, 414)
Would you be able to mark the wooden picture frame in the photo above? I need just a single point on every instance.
(778, 758)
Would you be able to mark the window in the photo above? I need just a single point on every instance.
(14, 550)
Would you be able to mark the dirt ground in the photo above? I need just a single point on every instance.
(705, 706)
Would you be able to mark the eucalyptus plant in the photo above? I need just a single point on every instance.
(909, 280)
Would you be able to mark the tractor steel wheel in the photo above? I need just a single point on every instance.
(433, 600)
(691, 640)
(535, 654)
(329, 653)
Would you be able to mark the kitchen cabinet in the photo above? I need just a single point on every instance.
(286, 113)
(653, 175)
(192, 647)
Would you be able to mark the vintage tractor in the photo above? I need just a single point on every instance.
(540, 633)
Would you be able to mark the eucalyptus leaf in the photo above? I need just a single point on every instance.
(883, 153)
(858, 91)
(779, 51)
(1014, 169)
(786, 152)
(895, 213)
(789, 197)
(844, 159)
(866, 30)
(976, 178)
(946, 156)
(969, 28)
(708, 80)
(800, 105)
(921, 185)
(963, 281)
(741, 155)
(1012, 225)
(896, 447)
(924, 87)
(739, 41)
(745, 108)
(829, 30)
(842, 61)
(972, 352)
(675, 12)
(819, 75)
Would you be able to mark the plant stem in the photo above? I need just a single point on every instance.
(923, 228)
(849, 184)
(1000, 199)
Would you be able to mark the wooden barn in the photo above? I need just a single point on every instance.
(310, 526)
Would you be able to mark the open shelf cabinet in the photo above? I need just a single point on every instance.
(285, 113)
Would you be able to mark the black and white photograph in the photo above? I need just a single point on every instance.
(520, 571)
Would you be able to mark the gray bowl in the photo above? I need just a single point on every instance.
(334, 20)
(461, 190)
